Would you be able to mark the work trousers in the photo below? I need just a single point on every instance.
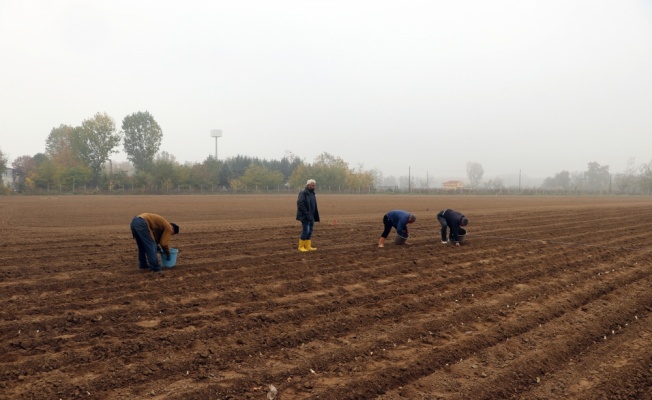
(147, 255)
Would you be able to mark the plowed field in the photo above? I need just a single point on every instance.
(551, 298)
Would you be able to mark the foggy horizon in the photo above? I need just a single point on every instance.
(519, 87)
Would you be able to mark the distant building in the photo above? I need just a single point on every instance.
(8, 178)
(453, 185)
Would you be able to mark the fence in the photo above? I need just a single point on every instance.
(282, 189)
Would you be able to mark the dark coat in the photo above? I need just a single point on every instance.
(454, 221)
(305, 212)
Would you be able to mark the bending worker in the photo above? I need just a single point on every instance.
(399, 220)
(152, 231)
(453, 220)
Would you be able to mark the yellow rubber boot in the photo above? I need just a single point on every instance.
(302, 245)
(308, 245)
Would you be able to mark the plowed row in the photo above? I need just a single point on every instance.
(550, 299)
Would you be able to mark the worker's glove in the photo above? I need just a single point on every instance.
(167, 257)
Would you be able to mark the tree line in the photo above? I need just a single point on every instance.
(596, 178)
(80, 156)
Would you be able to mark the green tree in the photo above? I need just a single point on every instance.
(200, 175)
(474, 172)
(25, 168)
(285, 166)
(165, 170)
(3, 166)
(261, 177)
(47, 175)
(76, 176)
(238, 164)
(360, 179)
(206, 174)
(300, 176)
(121, 180)
(4, 160)
(330, 171)
(225, 175)
(214, 167)
(28, 170)
(183, 173)
(142, 139)
(95, 142)
(143, 179)
(59, 146)
(236, 184)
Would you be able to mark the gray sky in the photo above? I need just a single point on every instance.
(537, 86)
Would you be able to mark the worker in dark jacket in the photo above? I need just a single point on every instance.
(308, 214)
(452, 220)
(152, 233)
(399, 220)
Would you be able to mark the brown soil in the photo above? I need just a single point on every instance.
(549, 299)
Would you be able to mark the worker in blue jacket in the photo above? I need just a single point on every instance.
(399, 220)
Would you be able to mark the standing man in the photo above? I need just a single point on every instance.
(152, 231)
(399, 220)
(308, 214)
(453, 220)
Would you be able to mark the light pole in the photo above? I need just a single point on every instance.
(216, 133)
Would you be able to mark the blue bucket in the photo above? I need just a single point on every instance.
(172, 261)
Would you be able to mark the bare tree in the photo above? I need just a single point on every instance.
(495, 183)
(561, 180)
(629, 181)
(474, 172)
(646, 177)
